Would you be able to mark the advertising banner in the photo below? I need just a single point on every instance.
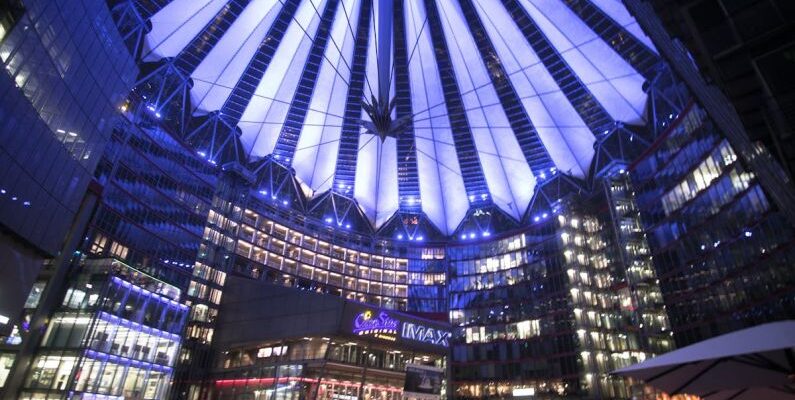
(423, 382)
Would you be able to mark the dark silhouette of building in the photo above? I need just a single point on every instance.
(746, 49)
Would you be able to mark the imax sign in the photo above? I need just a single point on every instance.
(421, 333)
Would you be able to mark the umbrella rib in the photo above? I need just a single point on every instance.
(698, 375)
(790, 358)
(759, 361)
(666, 372)
(736, 395)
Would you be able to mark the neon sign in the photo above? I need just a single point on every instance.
(425, 334)
(381, 326)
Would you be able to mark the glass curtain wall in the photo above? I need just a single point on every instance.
(115, 334)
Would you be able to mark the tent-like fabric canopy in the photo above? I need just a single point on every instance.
(498, 95)
(758, 362)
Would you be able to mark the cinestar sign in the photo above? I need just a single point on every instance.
(381, 326)
(421, 333)
(384, 326)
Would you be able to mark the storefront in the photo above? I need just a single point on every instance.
(324, 347)
(115, 336)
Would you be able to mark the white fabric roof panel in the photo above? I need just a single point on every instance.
(172, 31)
(376, 185)
(442, 188)
(277, 87)
(219, 72)
(614, 83)
(316, 151)
(508, 175)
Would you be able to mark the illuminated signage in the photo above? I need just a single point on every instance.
(425, 334)
(523, 392)
(381, 326)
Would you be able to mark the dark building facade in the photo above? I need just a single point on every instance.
(64, 78)
(704, 190)
(515, 209)
(704, 211)
(57, 112)
(558, 306)
(745, 48)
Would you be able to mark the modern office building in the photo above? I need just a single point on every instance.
(115, 335)
(371, 199)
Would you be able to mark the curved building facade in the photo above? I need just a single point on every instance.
(373, 199)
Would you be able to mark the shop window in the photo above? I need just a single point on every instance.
(35, 295)
(6, 362)
(98, 246)
(266, 352)
(51, 372)
(118, 250)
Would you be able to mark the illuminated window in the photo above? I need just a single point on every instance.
(98, 246)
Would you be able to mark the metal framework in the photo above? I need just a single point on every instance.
(163, 96)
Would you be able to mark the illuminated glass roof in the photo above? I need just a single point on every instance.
(480, 100)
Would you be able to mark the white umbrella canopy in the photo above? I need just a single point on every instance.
(737, 365)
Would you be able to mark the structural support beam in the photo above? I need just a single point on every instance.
(241, 95)
(533, 149)
(590, 110)
(345, 174)
(408, 177)
(616, 36)
(384, 37)
(471, 169)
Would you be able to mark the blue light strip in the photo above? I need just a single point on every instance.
(344, 177)
(138, 289)
(408, 177)
(471, 170)
(100, 356)
(112, 319)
